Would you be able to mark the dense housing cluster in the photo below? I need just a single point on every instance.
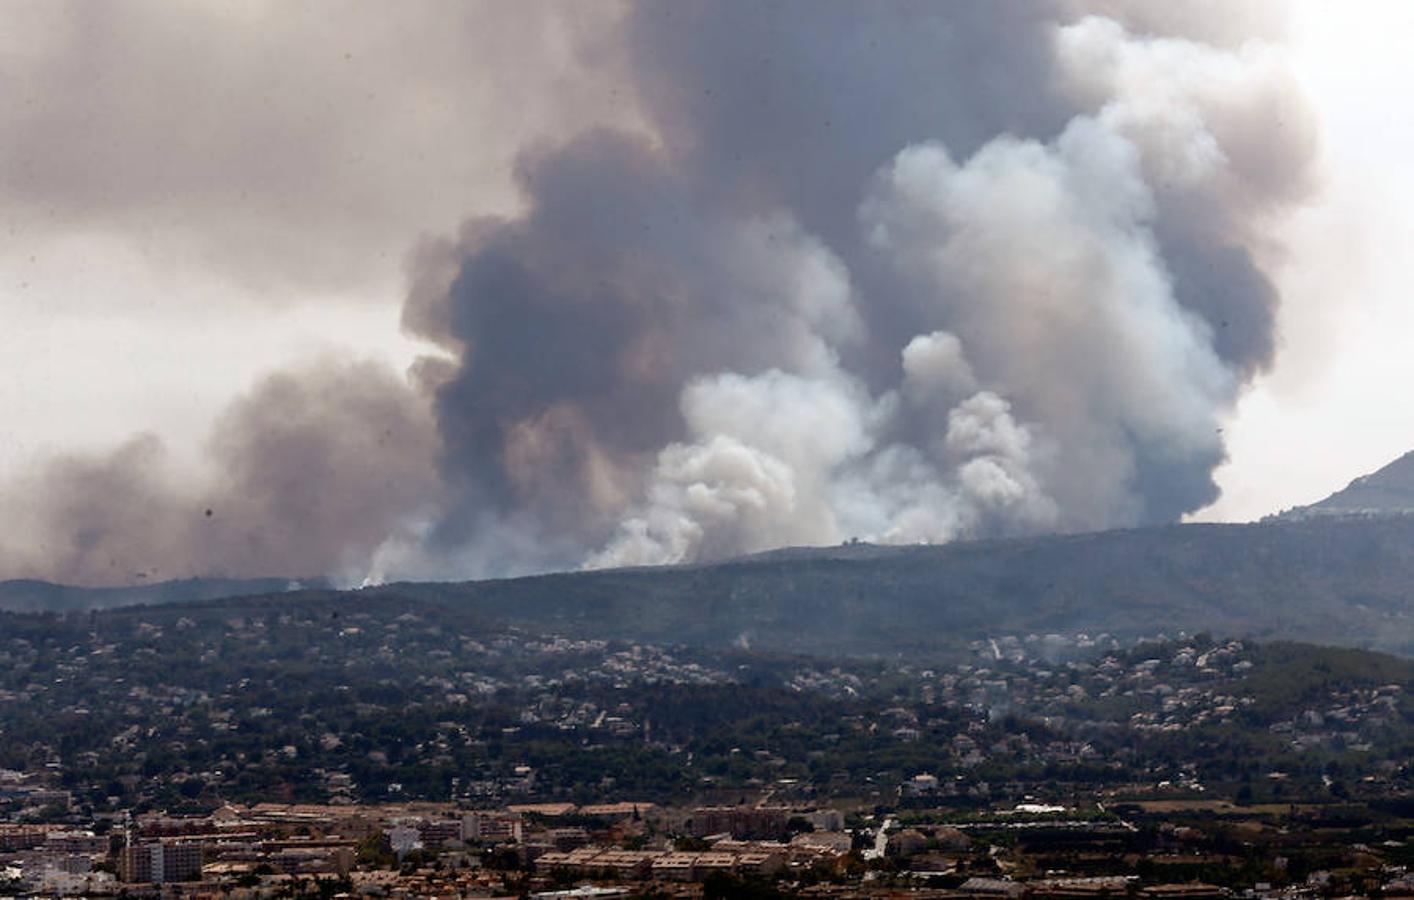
(250, 744)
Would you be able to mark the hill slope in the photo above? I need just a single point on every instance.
(42, 596)
(1389, 491)
(1335, 581)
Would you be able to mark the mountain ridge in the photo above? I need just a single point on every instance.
(1388, 490)
(1335, 580)
(36, 595)
(1338, 572)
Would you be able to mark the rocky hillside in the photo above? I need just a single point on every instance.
(1390, 491)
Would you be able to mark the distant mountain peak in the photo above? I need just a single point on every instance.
(1388, 491)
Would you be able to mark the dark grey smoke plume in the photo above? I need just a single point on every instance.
(907, 271)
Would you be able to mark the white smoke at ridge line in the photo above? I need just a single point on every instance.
(1040, 256)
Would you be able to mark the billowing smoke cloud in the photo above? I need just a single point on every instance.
(281, 145)
(903, 271)
(913, 272)
(309, 473)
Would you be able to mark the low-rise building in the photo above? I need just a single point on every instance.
(161, 862)
(492, 828)
(740, 821)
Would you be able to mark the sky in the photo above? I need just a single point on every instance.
(193, 198)
(1330, 410)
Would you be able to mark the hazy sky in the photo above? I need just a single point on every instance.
(1331, 408)
(195, 195)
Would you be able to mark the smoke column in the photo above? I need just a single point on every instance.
(906, 272)
(901, 271)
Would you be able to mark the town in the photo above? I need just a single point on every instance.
(1151, 849)
(242, 749)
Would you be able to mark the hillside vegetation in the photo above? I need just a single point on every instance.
(24, 595)
(1333, 580)
(1336, 581)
